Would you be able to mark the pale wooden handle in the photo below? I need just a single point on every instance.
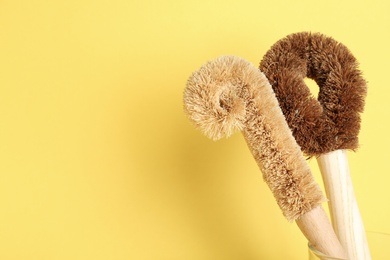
(345, 215)
(318, 230)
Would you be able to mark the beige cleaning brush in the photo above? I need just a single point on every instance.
(327, 126)
(229, 94)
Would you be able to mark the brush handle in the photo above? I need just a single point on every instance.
(345, 215)
(316, 227)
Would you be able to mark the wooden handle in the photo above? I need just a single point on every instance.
(318, 230)
(345, 215)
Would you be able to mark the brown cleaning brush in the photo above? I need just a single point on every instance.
(325, 127)
(229, 94)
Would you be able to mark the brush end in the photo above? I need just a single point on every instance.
(212, 98)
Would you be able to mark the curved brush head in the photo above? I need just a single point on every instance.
(228, 94)
(212, 99)
(333, 121)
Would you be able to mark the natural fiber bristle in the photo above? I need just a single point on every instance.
(230, 93)
(333, 121)
(211, 98)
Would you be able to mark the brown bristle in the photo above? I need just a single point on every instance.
(333, 121)
(230, 93)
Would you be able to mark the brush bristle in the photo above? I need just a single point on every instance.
(230, 94)
(211, 97)
(333, 121)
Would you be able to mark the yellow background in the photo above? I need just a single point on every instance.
(98, 161)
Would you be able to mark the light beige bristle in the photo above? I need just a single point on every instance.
(229, 94)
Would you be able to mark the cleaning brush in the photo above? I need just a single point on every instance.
(326, 127)
(229, 94)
